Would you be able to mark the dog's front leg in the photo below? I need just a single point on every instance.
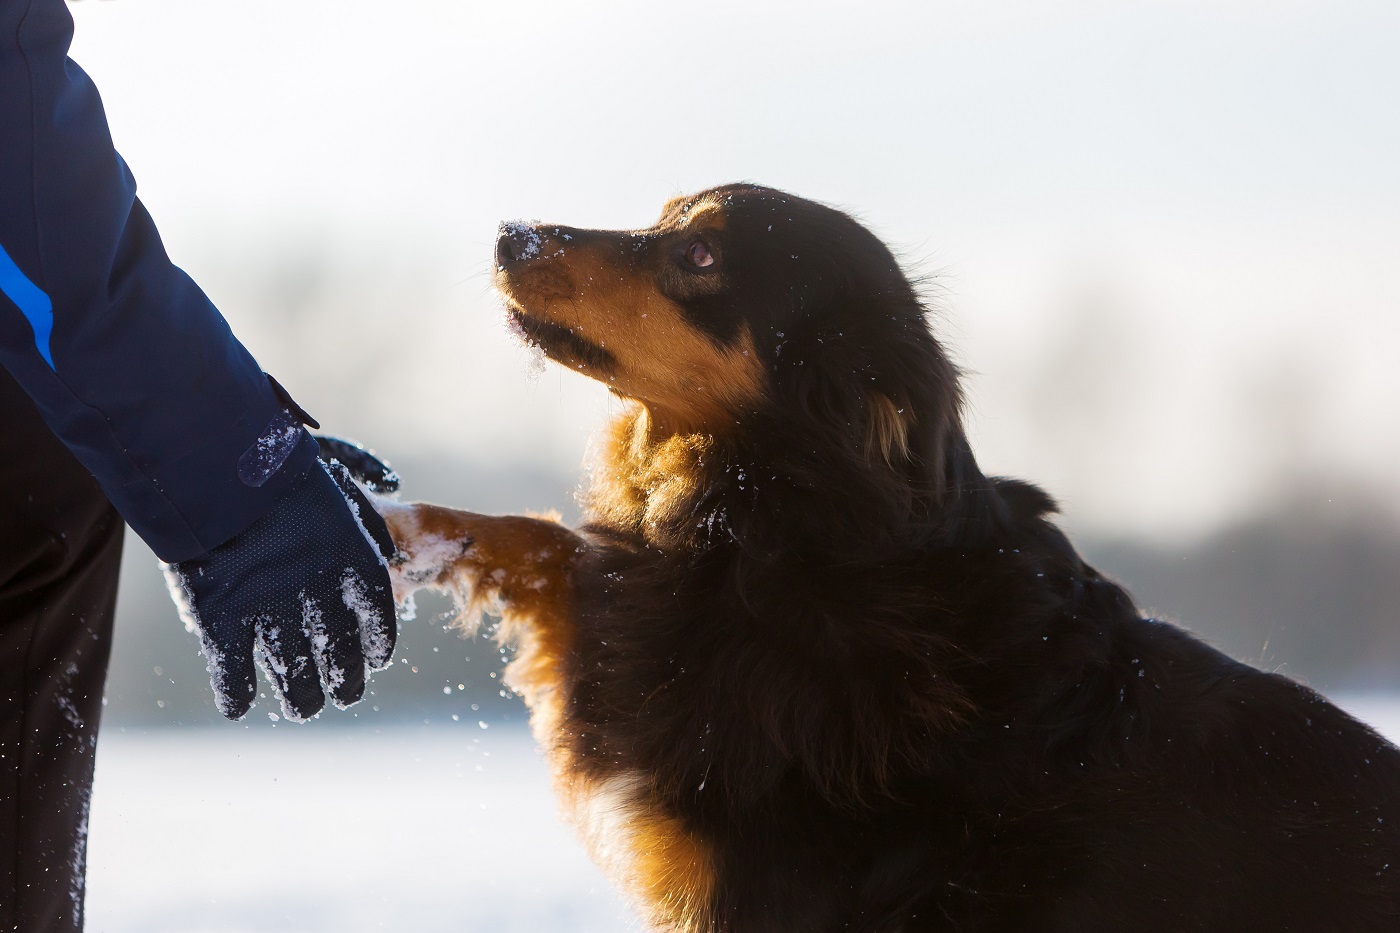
(520, 564)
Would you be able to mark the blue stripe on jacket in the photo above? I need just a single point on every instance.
(31, 301)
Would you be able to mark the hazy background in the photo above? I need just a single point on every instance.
(1164, 239)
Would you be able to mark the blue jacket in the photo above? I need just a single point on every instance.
(128, 361)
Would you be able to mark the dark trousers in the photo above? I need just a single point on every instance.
(60, 546)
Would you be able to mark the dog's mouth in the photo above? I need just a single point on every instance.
(561, 344)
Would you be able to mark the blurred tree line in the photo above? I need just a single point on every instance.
(1310, 588)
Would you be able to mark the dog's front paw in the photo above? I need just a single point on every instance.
(428, 552)
(428, 561)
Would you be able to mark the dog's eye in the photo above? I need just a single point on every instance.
(699, 255)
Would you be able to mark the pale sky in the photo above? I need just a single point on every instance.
(1166, 235)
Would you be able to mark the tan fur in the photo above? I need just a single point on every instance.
(641, 473)
(685, 378)
(687, 381)
(887, 433)
(519, 564)
(684, 211)
(522, 567)
(665, 871)
(683, 387)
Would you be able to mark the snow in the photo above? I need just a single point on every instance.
(78, 852)
(268, 653)
(524, 233)
(182, 594)
(313, 829)
(431, 554)
(332, 676)
(536, 361)
(260, 461)
(354, 506)
(232, 829)
(375, 629)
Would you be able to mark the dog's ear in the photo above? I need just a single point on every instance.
(913, 422)
(886, 431)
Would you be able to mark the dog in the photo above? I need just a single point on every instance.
(803, 666)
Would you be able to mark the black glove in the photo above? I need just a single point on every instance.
(369, 471)
(306, 588)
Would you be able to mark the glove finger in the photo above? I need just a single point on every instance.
(365, 516)
(362, 463)
(228, 653)
(368, 595)
(231, 674)
(225, 640)
(335, 637)
(286, 656)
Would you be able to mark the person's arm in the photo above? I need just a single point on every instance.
(134, 369)
(130, 363)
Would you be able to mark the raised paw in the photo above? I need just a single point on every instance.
(430, 545)
(479, 559)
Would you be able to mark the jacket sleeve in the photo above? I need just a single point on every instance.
(128, 361)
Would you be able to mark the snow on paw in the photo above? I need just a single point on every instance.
(430, 544)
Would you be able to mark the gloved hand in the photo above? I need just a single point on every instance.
(369, 471)
(305, 589)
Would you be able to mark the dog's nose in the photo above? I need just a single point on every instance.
(516, 242)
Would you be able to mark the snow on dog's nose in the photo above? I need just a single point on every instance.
(516, 241)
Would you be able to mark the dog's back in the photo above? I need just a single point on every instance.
(1082, 768)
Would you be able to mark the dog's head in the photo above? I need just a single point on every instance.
(744, 305)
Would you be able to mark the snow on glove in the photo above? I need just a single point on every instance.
(369, 471)
(305, 589)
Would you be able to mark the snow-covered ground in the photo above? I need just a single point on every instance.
(296, 830)
(228, 830)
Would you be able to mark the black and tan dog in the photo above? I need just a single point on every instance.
(804, 667)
